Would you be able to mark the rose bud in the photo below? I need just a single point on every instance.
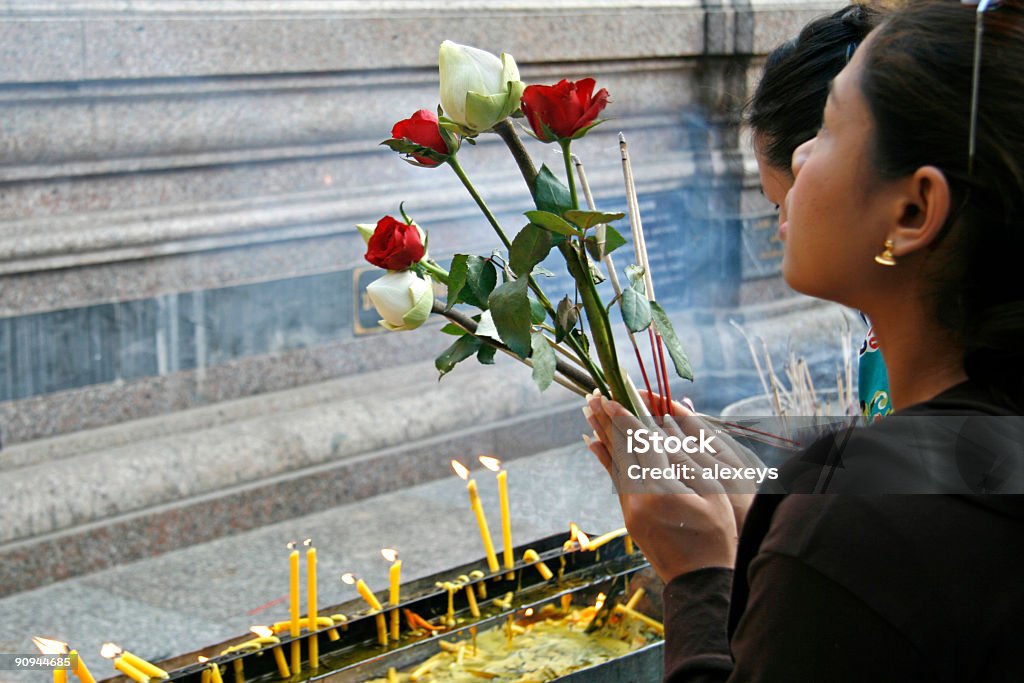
(421, 129)
(564, 111)
(478, 89)
(395, 245)
(402, 299)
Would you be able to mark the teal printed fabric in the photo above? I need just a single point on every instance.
(872, 379)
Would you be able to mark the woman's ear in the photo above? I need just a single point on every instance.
(924, 207)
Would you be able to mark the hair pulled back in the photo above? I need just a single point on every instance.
(787, 105)
(917, 81)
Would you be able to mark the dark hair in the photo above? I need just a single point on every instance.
(917, 81)
(786, 108)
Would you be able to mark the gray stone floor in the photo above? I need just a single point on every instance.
(204, 594)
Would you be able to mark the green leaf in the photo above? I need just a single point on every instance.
(457, 273)
(586, 129)
(550, 221)
(612, 241)
(566, 316)
(481, 279)
(486, 354)
(537, 312)
(453, 329)
(408, 148)
(675, 348)
(510, 309)
(585, 220)
(529, 247)
(463, 348)
(550, 193)
(543, 357)
(636, 309)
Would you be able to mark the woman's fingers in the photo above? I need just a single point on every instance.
(599, 449)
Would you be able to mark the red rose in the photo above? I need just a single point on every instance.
(565, 108)
(394, 245)
(421, 128)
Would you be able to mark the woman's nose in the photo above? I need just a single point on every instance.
(800, 155)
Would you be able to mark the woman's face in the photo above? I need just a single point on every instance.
(775, 181)
(835, 218)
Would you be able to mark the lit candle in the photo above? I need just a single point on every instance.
(373, 602)
(494, 465)
(478, 509)
(111, 651)
(311, 618)
(605, 538)
(265, 636)
(395, 576)
(293, 594)
(53, 648)
(212, 671)
(205, 676)
(531, 557)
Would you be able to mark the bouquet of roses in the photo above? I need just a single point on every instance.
(494, 302)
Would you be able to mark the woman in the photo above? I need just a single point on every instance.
(898, 193)
(786, 112)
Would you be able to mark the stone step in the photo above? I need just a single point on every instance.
(270, 457)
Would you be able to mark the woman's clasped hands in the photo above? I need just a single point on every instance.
(676, 503)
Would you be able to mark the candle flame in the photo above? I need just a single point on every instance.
(600, 601)
(308, 542)
(460, 470)
(109, 650)
(528, 612)
(491, 463)
(390, 554)
(48, 646)
(582, 539)
(202, 659)
(348, 578)
(291, 545)
(262, 631)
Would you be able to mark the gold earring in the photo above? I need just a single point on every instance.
(886, 258)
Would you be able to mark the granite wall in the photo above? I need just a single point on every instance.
(180, 179)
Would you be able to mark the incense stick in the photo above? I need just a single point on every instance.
(640, 247)
(613, 276)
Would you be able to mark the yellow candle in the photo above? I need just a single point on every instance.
(531, 557)
(282, 663)
(481, 520)
(142, 665)
(506, 519)
(605, 538)
(395, 575)
(239, 665)
(293, 593)
(657, 626)
(80, 670)
(474, 609)
(494, 465)
(60, 676)
(629, 545)
(478, 510)
(374, 603)
(311, 619)
(215, 673)
(130, 671)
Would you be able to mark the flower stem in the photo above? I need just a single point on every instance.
(457, 167)
(438, 273)
(571, 374)
(570, 178)
(506, 130)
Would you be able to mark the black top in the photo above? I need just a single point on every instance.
(861, 588)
